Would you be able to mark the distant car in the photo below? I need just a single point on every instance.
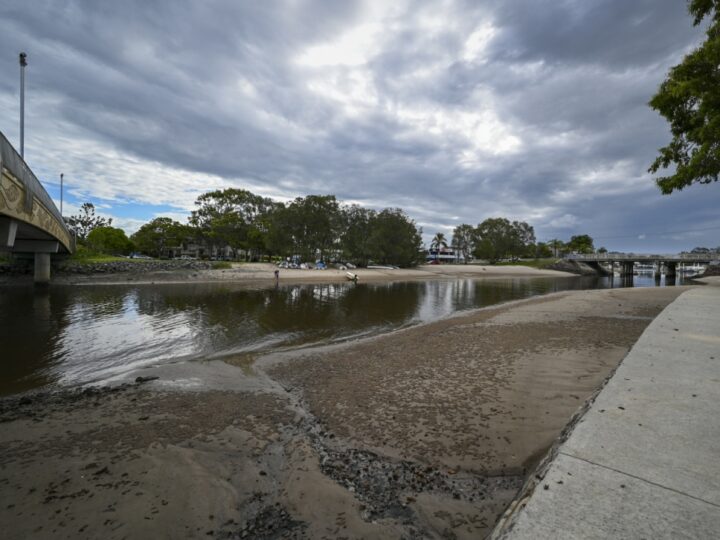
(139, 256)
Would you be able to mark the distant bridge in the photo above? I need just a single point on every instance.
(29, 220)
(627, 260)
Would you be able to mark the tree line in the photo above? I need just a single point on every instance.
(309, 228)
(497, 239)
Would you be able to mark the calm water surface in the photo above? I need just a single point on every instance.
(78, 335)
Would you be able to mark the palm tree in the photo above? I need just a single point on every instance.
(437, 242)
(557, 246)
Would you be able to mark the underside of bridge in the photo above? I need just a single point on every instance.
(30, 223)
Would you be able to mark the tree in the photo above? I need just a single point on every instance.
(689, 99)
(395, 239)
(525, 239)
(85, 221)
(109, 240)
(278, 238)
(497, 239)
(581, 243)
(438, 242)
(309, 227)
(558, 247)
(602, 250)
(355, 241)
(232, 217)
(160, 233)
(463, 240)
(543, 250)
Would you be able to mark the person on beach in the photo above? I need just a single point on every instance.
(277, 275)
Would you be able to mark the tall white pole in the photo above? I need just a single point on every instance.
(61, 192)
(23, 63)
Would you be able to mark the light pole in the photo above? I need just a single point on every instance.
(61, 193)
(23, 63)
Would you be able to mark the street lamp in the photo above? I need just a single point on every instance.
(61, 192)
(23, 63)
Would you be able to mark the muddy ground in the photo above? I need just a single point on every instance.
(426, 432)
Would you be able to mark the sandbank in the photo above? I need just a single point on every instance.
(425, 432)
(255, 273)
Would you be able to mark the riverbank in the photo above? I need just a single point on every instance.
(664, 397)
(145, 274)
(429, 431)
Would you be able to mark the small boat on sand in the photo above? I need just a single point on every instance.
(351, 276)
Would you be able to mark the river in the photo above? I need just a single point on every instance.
(66, 336)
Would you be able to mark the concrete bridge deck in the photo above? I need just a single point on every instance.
(704, 258)
(626, 261)
(643, 460)
(29, 220)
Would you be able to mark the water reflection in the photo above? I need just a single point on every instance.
(67, 335)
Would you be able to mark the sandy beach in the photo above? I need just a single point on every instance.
(426, 432)
(264, 272)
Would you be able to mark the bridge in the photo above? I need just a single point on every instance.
(627, 260)
(30, 223)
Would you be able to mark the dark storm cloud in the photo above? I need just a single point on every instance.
(455, 111)
(609, 33)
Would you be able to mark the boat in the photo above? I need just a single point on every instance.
(351, 276)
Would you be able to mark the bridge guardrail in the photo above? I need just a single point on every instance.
(698, 257)
(13, 162)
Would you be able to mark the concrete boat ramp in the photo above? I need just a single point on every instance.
(644, 459)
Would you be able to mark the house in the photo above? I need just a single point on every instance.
(445, 255)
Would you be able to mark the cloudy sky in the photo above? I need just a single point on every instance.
(455, 111)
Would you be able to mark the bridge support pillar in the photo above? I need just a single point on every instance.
(626, 268)
(42, 268)
(670, 269)
(8, 230)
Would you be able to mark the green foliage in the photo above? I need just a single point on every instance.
(308, 227)
(221, 265)
(558, 247)
(582, 243)
(395, 239)
(689, 99)
(539, 263)
(463, 240)
(85, 221)
(109, 240)
(498, 238)
(160, 233)
(355, 243)
(87, 255)
(232, 217)
(543, 251)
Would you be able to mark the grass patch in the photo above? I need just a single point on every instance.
(100, 258)
(532, 263)
(221, 265)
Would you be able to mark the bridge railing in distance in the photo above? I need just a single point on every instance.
(690, 257)
(11, 160)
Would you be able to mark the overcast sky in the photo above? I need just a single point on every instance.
(455, 111)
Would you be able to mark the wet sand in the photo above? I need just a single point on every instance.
(424, 432)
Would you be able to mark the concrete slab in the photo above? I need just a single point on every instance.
(595, 502)
(655, 426)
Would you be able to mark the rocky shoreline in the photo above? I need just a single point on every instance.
(114, 267)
